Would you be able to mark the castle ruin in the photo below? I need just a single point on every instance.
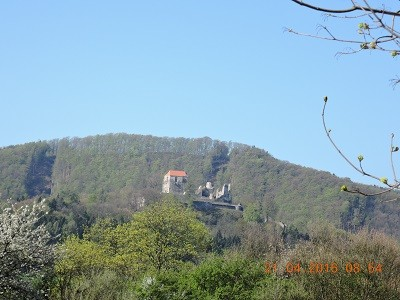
(208, 191)
(175, 180)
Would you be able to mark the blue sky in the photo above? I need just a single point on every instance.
(223, 69)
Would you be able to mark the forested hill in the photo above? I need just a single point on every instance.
(111, 174)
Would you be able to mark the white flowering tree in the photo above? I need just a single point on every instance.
(25, 252)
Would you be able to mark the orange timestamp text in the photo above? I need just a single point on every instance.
(325, 267)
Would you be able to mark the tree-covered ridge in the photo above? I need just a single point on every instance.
(298, 195)
(125, 166)
(112, 174)
(25, 170)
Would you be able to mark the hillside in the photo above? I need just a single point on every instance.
(111, 174)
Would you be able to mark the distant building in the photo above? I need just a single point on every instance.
(174, 182)
(208, 197)
(208, 191)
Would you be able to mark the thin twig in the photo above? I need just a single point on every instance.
(339, 151)
(357, 191)
(374, 13)
(391, 158)
(345, 16)
(332, 38)
(391, 200)
(347, 10)
(391, 187)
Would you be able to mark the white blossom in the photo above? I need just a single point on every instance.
(24, 250)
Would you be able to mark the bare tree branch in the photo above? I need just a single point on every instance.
(330, 38)
(391, 187)
(376, 29)
(392, 150)
(348, 10)
(328, 133)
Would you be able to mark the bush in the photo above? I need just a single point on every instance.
(216, 278)
(351, 266)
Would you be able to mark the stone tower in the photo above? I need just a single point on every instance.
(174, 182)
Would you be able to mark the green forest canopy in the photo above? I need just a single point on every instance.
(111, 174)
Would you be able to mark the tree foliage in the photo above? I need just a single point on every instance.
(163, 237)
(25, 170)
(67, 215)
(25, 253)
(339, 265)
(78, 261)
(217, 278)
(112, 175)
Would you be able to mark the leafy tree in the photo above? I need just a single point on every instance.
(229, 277)
(253, 213)
(278, 288)
(78, 261)
(165, 234)
(25, 253)
(261, 240)
(105, 285)
(67, 215)
(221, 243)
(167, 285)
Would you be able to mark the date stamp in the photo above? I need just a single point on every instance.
(313, 267)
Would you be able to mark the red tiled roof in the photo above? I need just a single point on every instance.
(177, 173)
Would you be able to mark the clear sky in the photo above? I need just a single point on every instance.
(223, 69)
